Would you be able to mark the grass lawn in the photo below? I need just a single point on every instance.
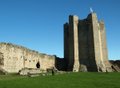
(70, 80)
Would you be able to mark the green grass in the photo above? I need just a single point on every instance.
(71, 80)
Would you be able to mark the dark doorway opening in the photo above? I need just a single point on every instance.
(38, 64)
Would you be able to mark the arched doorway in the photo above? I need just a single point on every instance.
(38, 64)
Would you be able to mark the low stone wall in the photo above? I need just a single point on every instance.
(27, 71)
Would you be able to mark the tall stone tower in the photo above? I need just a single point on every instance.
(85, 45)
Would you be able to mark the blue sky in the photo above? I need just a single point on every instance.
(38, 24)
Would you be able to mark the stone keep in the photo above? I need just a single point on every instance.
(85, 45)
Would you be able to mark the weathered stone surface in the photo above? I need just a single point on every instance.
(71, 52)
(115, 65)
(14, 58)
(85, 49)
(85, 45)
(27, 71)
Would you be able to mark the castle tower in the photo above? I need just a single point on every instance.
(85, 45)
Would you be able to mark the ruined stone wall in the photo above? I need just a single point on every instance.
(115, 65)
(18, 57)
(1, 60)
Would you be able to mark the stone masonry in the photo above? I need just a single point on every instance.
(85, 46)
(13, 58)
(85, 50)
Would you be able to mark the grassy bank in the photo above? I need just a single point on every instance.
(71, 80)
